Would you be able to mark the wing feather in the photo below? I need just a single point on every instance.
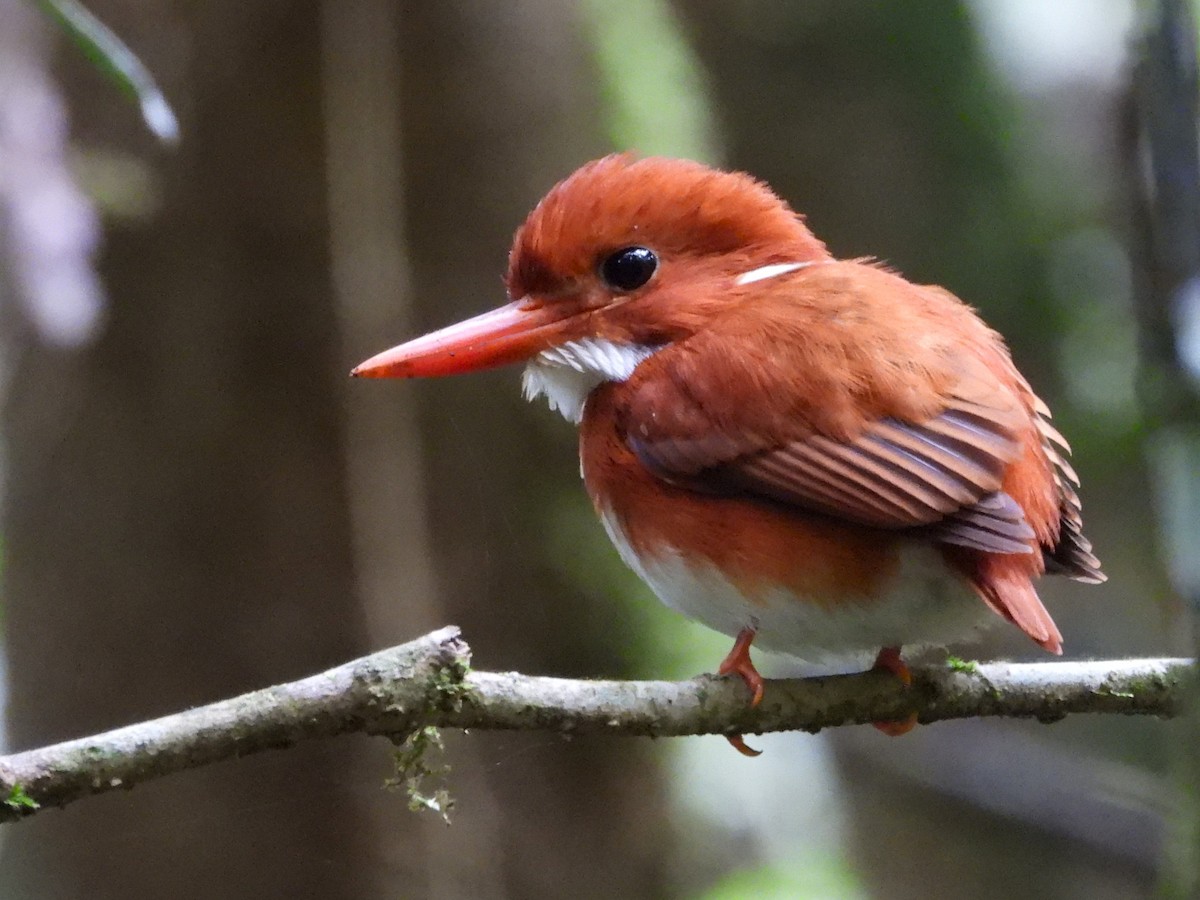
(905, 436)
(896, 474)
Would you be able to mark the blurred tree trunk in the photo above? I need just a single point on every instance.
(175, 525)
(497, 105)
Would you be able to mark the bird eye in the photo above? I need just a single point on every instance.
(628, 269)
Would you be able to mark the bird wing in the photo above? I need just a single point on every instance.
(894, 421)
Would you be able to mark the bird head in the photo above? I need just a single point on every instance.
(619, 259)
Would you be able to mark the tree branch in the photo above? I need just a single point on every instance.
(428, 682)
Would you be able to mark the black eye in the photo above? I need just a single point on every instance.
(628, 269)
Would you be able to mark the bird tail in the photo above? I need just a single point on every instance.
(1006, 585)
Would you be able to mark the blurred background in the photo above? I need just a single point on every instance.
(199, 502)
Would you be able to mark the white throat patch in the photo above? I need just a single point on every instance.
(567, 374)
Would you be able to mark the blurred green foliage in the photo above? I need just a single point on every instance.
(813, 877)
(653, 86)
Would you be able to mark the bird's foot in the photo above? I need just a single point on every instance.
(889, 660)
(738, 663)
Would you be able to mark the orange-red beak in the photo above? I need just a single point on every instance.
(515, 332)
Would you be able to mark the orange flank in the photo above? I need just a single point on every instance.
(759, 546)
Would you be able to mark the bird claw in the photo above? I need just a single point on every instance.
(898, 727)
(889, 661)
(739, 744)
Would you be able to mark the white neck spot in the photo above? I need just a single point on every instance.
(774, 271)
(566, 374)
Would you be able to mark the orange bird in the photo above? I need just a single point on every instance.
(808, 453)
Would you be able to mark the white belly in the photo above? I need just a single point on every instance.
(925, 605)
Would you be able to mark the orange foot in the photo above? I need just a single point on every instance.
(738, 663)
(889, 660)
